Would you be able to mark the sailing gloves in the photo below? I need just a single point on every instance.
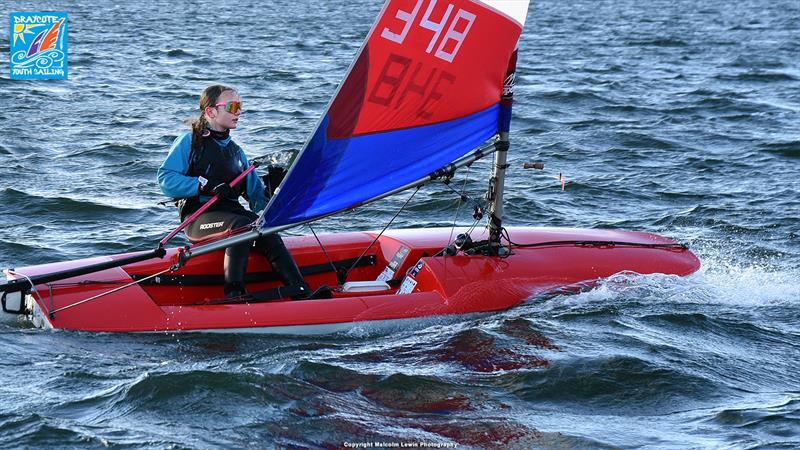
(216, 187)
(275, 174)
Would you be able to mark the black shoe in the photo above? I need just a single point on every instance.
(322, 292)
(234, 290)
(303, 291)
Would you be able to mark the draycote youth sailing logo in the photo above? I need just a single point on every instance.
(38, 45)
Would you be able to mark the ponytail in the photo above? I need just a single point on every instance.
(208, 98)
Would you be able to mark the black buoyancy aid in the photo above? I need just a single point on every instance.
(218, 163)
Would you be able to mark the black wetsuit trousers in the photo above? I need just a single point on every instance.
(217, 223)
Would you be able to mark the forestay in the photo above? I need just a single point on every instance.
(423, 91)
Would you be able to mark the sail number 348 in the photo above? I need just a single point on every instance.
(462, 19)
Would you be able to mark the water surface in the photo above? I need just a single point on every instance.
(675, 117)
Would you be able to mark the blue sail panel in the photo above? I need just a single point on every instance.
(346, 173)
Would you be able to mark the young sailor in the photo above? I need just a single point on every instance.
(201, 164)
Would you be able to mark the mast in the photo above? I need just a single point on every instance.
(498, 179)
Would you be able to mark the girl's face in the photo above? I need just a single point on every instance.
(219, 119)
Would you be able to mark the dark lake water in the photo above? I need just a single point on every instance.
(671, 116)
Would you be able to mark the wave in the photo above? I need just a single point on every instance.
(488, 432)
(641, 140)
(627, 108)
(430, 395)
(662, 42)
(34, 430)
(106, 150)
(170, 52)
(15, 248)
(403, 397)
(756, 61)
(38, 206)
(478, 351)
(576, 97)
(758, 76)
(721, 94)
(332, 377)
(177, 396)
(790, 149)
(612, 384)
(773, 423)
(595, 123)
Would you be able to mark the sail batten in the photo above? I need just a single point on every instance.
(423, 91)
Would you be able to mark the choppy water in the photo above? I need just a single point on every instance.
(676, 117)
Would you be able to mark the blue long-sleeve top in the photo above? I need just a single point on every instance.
(176, 184)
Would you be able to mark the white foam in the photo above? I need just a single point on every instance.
(716, 283)
(755, 284)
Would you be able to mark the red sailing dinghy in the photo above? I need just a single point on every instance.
(431, 84)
